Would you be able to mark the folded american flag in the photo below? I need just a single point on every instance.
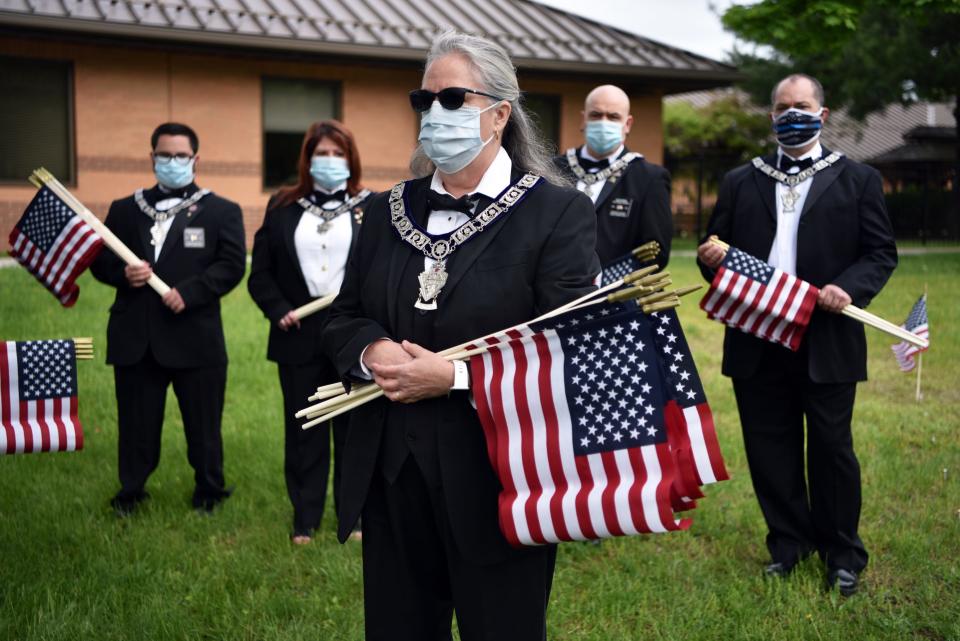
(576, 415)
(688, 415)
(917, 323)
(750, 295)
(38, 397)
(54, 244)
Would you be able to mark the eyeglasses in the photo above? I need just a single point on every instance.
(450, 98)
(165, 158)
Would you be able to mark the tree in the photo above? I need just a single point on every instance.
(867, 53)
(727, 126)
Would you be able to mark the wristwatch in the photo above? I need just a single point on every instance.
(461, 376)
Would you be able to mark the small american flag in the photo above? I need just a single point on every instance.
(576, 415)
(38, 397)
(54, 244)
(688, 414)
(917, 323)
(750, 295)
(619, 268)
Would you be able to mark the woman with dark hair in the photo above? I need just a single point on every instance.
(300, 254)
(483, 239)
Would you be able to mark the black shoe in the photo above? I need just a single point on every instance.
(206, 504)
(126, 504)
(779, 570)
(846, 580)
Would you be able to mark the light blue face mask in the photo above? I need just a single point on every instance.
(172, 174)
(329, 171)
(451, 137)
(603, 136)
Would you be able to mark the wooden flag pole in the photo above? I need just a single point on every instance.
(314, 306)
(43, 177)
(863, 316)
(343, 403)
(83, 349)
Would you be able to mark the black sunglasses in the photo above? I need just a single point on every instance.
(450, 98)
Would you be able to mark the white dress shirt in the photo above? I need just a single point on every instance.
(495, 180)
(323, 257)
(783, 252)
(594, 190)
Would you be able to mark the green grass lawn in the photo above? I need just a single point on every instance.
(69, 569)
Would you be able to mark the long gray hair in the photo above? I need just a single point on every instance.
(522, 139)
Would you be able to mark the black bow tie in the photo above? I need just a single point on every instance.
(445, 202)
(320, 198)
(786, 163)
(593, 166)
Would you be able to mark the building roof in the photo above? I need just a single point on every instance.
(863, 140)
(536, 36)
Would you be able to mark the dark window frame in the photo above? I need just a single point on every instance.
(555, 100)
(71, 101)
(336, 87)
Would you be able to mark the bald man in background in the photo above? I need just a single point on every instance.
(631, 195)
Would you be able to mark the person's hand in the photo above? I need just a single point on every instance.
(289, 320)
(710, 254)
(385, 352)
(833, 299)
(426, 375)
(138, 275)
(174, 301)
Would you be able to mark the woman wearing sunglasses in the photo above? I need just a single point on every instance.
(300, 254)
(484, 239)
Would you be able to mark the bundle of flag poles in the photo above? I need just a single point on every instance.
(594, 416)
(39, 400)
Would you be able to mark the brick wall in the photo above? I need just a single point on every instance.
(120, 95)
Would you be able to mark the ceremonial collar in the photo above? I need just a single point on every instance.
(611, 173)
(791, 180)
(329, 214)
(195, 195)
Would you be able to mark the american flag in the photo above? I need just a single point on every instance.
(750, 295)
(619, 268)
(576, 415)
(54, 244)
(917, 323)
(38, 397)
(688, 415)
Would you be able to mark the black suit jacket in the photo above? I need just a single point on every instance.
(138, 318)
(844, 238)
(539, 257)
(277, 284)
(632, 210)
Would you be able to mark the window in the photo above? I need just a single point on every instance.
(545, 109)
(36, 118)
(290, 105)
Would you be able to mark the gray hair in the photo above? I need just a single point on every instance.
(817, 87)
(522, 140)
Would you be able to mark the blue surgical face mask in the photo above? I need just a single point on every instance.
(796, 128)
(451, 137)
(172, 174)
(329, 171)
(603, 136)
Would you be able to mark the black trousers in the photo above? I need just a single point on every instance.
(414, 577)
(141, 398)
(819, 511)
(306, 453)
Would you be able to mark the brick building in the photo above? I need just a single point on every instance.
(83, 83)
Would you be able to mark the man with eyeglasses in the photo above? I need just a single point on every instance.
(631, 195)
(194, 241)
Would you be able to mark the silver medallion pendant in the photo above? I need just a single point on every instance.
(156, 234)
(789, 199)
(432, 280)
(323, 228)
